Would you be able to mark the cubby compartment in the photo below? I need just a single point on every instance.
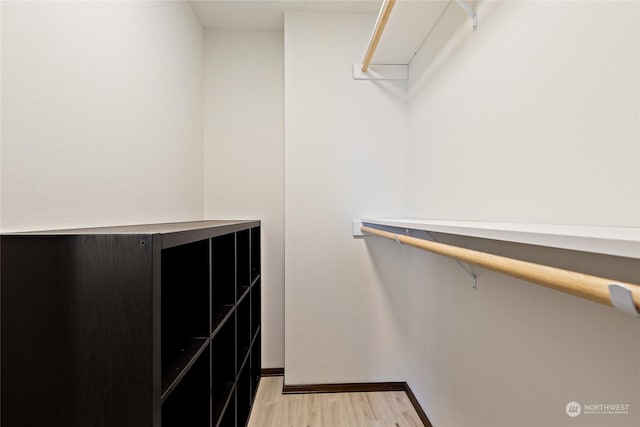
(243, 396)
(243, 261)
(256, 309)
(255, 253)
(223, 365)
(188, 404)
(223, 285)
(256, 364)
(184, 306)
(243, 342)
(228, 418)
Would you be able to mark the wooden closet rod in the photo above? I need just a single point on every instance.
(383, 17)
(581, 285)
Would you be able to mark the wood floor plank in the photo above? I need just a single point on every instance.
(372, 409)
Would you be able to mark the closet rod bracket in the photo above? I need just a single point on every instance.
(396, 232)
(465, 267)
(622, 299)
(470, 12)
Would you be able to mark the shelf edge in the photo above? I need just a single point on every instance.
(616, 241)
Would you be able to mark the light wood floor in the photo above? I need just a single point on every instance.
(373, 409)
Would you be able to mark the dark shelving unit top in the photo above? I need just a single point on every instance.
(160, 228)
(173, 233)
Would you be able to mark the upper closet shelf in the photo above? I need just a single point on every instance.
(618, 241)
(397, 36)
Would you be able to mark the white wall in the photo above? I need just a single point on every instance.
(101, 114)
(345, 157)
(244, 155)
(532, 118)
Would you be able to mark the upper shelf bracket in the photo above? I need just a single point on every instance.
(466, 268)
(357, 232)
(472, 13)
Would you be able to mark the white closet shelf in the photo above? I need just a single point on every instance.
(618, 241)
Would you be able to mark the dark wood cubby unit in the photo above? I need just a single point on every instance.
(150, 325)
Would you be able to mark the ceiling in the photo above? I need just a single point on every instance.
(268, 15)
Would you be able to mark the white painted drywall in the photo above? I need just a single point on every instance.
(532, 118)
(101, 114)
(345, 157)
(244, 155)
